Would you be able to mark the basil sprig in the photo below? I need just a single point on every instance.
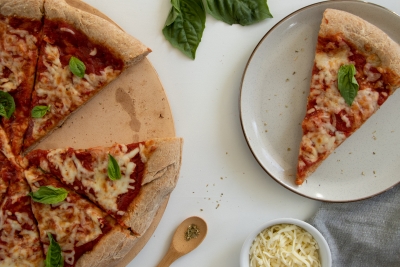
(53, 256)
(49, 195)
(243, 12)
(347, 83)
(77, 67)
(113, 170)
(185, 25)
(39, 111)
(7, 105)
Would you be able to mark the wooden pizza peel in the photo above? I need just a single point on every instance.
(132, 108)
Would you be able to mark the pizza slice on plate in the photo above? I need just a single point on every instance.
(79, 55)
(356, 69)
(20, 27)
(128, 181)
(19, 236)
(73, 230)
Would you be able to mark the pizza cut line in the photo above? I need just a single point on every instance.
(66, 206)
(356, 69)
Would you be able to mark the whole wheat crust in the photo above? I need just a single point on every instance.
(129, 49)
(160, 178)
(32, 9)
(368, 38)
(111, 248)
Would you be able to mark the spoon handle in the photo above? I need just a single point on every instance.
(169, 258)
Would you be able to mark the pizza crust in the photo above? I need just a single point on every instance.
(160, 178)
(368, 38)
(126, 47)
(142, 210)
(32, 9)
(168, 152)
(109, 250)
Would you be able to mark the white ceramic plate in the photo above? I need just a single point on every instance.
(273, 97)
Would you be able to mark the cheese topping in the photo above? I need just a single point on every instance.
(322, 135)
(67, 30)
(19, 238)
(58, 88)
(97, 186)
(16, 50)
(284, 245)
(74, 221)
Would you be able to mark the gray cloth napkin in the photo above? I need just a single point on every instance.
(362, 233)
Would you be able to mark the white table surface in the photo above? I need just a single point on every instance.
(220, 180)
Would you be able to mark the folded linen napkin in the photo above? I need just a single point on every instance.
(363, 233)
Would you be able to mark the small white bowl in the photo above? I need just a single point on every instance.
(324, 251)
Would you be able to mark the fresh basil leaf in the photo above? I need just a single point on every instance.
(53, 256)
(113, 170)
(49, 195)
(347, 83)
(77, 67)
(185, 25)
(39, 111)
(7, 105)
(243, 12)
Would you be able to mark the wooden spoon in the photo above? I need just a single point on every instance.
(179, 245)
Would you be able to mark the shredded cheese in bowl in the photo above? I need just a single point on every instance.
(284, 245)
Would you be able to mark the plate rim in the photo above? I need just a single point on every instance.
(241, 92)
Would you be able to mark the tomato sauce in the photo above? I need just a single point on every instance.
(77, 44)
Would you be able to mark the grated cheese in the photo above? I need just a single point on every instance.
(284, 245)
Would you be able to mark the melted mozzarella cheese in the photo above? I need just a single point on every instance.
(74, 222)
(20, 246)
(322, 135)
(63, 91)
(16, 50)
(106, 191)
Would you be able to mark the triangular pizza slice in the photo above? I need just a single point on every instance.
(356, 69)
(19, 236)
(20, 34)
(79, 55)
(129, 182)
(73, 230)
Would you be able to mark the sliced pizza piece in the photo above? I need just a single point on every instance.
(80, 54)
(7, 172)
(20, 28)
(128, 181)
(72, 229)
(19, 236)
(356, 69)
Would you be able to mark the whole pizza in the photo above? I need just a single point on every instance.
(66, 206)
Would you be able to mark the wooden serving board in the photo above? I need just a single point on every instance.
(132, 108)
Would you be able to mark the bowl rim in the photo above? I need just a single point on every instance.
(324, 250)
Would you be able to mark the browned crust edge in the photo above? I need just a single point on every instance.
(168, 152)
(161, 176)
(129, 49)
(368, 38)
(32, 9)
(112, 248)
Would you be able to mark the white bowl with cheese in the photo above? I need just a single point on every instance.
(288, 241)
